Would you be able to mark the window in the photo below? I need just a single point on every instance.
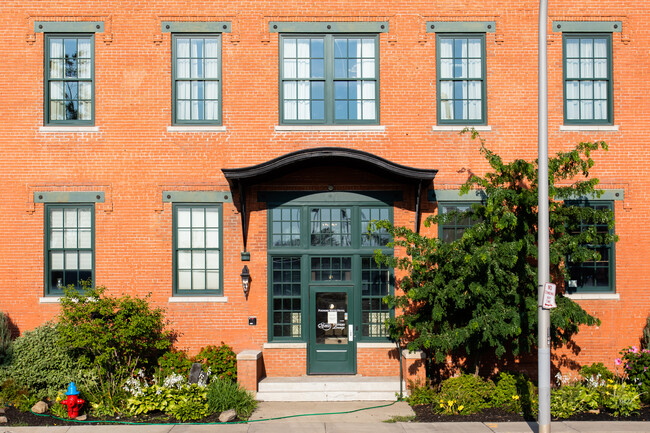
(461, 79)
(196, 78)
(69, 79)
(375, 285)
(329, 79)
(454, 228)
(197, 249)
(587, 78)
(69, 246)
(593, 275)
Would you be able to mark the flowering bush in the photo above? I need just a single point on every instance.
(622, 399)
(571, 399)
(463, 395)
(636, 367)
(515, 393)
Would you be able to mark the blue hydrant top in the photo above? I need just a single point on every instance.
(72, 389)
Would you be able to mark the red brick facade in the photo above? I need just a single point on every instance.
(132, 156)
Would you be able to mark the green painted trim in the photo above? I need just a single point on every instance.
(69, 197)
(605, 195)
(455, 195)
(245, 256)
(47, 80)
(610, 79)
(328, 80)
(68, 26)
(588, 26)
(297, 198)
(483, 120)
(461, 26)
(195, 27)
(194, 293)
(328, 27)
(175, 79)
(46, 244)
(197, 196)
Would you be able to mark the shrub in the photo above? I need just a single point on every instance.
(464, 394)
(115, 334)
(40, 363)
(596, 374)
(420, 393)
(5, 337)
(221, 361)
(622, 399)
(12, 394)
(515, 393)
(637, 369)
(645, 338)
(572, 399)
(174, 362)
(225, 394)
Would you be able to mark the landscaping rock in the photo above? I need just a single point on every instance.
(40, 407)
(228, 415)
(195, 371)
(3, 420)
(82, 417)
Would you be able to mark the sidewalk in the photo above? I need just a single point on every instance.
(327, 417)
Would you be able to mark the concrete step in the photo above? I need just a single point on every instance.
(329, 388)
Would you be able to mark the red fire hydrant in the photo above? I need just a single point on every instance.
(73, 402)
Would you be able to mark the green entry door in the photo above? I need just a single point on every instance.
(332, 347)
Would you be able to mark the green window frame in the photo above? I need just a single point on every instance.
(453, 230)
(196, 78)
(69, 246)
(197, 252)
(461, 79)
(69, 79)
(587, 73)
(326, 244)
(329, 79)
(594, 276)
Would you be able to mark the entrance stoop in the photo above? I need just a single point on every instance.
(329, 388)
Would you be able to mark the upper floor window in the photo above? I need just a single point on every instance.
(587, 78)
(461, 79)
(329, 79)
(455, 225)
(196, 78)
(69, 83)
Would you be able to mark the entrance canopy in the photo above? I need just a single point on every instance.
(242, 178)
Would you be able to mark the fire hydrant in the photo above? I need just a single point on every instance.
(73, 402)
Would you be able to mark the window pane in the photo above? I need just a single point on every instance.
(56, 90)
(184, 260)
(368, 68)
(587, 68)
(85, 260)
(56, 48)
(290, 68)
(600, 68)
(572, 90)
(586, 48)
(198, 238)
(183, 216)
(586, 90)
(71, 260)
(572, 69)
(184, 280)
(211, 68)
(85, 91)
(56, 260)
(572, 110)
(183, 68)
(56, 68)
(212, 48)
(84, 70)
(290, 110)
(474, 50)
(212, 238)
(212, 280)
(85, 238)
(572, 48)
(212, 260)
(289, 48)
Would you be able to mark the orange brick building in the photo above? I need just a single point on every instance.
(170, 147)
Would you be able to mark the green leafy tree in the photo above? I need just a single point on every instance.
(476, 297)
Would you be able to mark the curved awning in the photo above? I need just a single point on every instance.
(319, 156)
(241, 178)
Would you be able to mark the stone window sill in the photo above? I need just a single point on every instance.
(377, 345)
(285, 345)
(594, 296)
(49, 300)
(588, 127)
(330, 128)
(68, 129)
(196, 128)
(197, 299)
(437, 128)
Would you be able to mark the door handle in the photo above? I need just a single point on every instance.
(351, 332)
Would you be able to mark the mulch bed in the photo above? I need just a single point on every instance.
(424, 413)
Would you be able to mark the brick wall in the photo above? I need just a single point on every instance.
(133, 157)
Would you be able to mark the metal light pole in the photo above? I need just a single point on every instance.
(543, 264)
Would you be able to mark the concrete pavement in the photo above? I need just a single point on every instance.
(342, 417)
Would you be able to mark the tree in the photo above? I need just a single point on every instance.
(477, 296)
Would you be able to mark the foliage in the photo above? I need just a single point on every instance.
(464, 395)
(645, 339)
(420, 393)
(57, 408)
(220, 360)
(13, 394)
(622, 399)
(5, 337)
(115, 334)
(596, 374)
(190, 404)
(477, 296)
(185, 403)
(515, 393)
(40, 363)
(224, 394)
(572, 399)
(174, 362)
(636, 364)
